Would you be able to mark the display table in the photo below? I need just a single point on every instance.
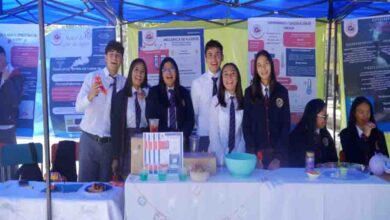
(285, 193)
(30, 203)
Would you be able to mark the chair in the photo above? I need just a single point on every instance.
(12, 155)
(341, 156)
(64, 156)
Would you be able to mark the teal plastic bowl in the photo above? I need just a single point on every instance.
(240, 164)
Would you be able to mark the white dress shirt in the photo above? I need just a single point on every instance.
(263, 87)
(219, 128)
(96, 118)
(360, 131)
(131, 109)
(201, 94)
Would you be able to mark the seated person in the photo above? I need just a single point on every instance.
(361, 139)
(311, 134)
(226, 111)
(170, 102)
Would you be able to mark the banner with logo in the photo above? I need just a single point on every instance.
(185, 46)
(73, 53)
(21, 45)
(366, 63)
(292, 45)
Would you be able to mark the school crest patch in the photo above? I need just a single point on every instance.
(325, 141)
(279, 102)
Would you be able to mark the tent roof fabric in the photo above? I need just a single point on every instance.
(106, 12)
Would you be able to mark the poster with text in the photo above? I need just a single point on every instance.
(292, 45)
(366, 63)
(163, 151)
(73, 53)
(21, 45)
(185, 46)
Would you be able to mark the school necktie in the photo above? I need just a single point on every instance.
(113, 85)
(172, 105)
(137, 110)
(266, 93)
(232, 125)
(215, 79)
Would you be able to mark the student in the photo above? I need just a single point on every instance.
(170, 102)
(96, 153)
(361, 139)
(129, 113)
(266, 121)
(11, 91)
(311, 134)
(226, 111)
(11, 88)
(204, 88)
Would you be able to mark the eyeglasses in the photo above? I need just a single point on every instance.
(170, 70)
(323, 116)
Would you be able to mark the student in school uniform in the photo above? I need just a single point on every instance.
(96, 152)
(204, 88)
(226, 111)
(129, 107)
(361, 139)
(266, 121)
(311, 134)
(170, 102)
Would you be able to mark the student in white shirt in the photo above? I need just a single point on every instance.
(129, 113)
(94, 99)
(226, 111)
(204, 88)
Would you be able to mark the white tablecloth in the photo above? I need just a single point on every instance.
(30, 203)
(285, 194)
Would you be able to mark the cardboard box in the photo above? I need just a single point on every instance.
(137, 155)
(206, 160)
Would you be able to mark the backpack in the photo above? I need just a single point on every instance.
(30, 172)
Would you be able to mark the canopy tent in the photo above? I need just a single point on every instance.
(220, 12)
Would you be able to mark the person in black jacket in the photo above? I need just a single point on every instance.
(129, 114)
(361, 139)
(266, 120)
(311, 134)
(170, 102)
(11, 88)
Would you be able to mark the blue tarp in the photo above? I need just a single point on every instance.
(99, 12)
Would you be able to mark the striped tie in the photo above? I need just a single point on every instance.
(137, 110)
(172, 105)
(232, 125)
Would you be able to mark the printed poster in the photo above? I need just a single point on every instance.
(185, 46)
(21, 45)
(73, 53)
(366, 63)
(292, 45)
(163, 150)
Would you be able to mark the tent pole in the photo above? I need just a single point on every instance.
(334, 79)
(121, 31)
(330, 23)
(42, 51)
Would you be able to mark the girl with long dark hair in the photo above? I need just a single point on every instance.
(170, 102)
(361, 139)
(266, 121)
(226, 111)
(311, 134)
